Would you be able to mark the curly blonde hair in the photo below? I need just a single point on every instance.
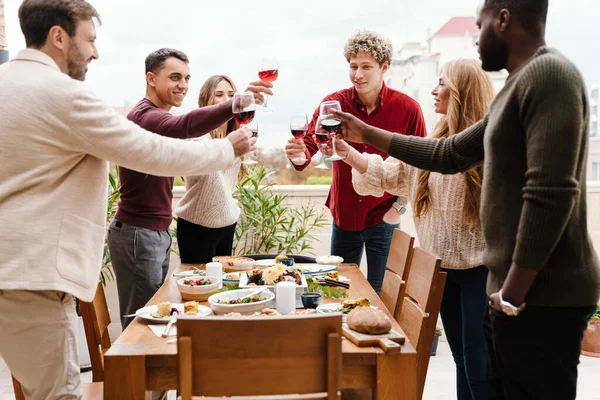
(370, 43)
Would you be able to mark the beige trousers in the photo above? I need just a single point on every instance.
(39, 343)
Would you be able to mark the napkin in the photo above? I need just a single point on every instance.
(158, 329)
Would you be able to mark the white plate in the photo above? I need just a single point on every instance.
(190, 272)
(146, 313)
(227, 280)
(329, 308)
(265, 263)
(310, 269)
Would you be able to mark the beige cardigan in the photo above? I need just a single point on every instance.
(443, 229)
(55, 139)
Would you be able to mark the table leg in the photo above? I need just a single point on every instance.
(396, 377)
(124, 377)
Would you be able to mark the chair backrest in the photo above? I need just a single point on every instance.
(260, 356)
(421, 307)
(391, 289)
(398, 264)
(96, 320)
(299, 258)
(400, 254)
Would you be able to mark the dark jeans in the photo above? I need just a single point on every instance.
(198, 244)
(349, 245)
(535, 354)
(463, 307)
(140, 259)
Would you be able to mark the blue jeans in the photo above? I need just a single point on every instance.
(462, 311)
(349, 245)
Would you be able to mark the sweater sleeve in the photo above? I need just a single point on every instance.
(452, 155)
(552, 111)
(382, 176)
(193, 124)
(99, 130)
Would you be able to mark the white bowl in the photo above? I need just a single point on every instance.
(191, 292)
(245, 308)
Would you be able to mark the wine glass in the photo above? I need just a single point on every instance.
(323, 138)
(252, 127)
(243, 108)
(268, 71)
(330, 123)
(299, 126)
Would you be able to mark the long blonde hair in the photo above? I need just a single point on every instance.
(471, 92)
(206, 98)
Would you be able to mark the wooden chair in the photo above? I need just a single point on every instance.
(96, 319)
(397, 271)
(294, 357)
(421, 307)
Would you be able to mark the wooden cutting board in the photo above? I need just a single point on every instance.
(390, 342)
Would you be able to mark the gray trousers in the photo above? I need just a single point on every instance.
(140, 260)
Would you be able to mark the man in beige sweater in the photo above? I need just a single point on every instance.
(55, 139)
(544, 278)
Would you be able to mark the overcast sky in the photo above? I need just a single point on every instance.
(307, 37)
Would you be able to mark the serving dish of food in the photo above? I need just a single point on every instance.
(161, 312)
(243, 301)
(270, 276)
(234, 263)
(198, 287)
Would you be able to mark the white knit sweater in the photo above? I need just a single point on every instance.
(443, 230)
(208, 199)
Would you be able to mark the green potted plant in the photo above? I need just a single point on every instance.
(591, 336)
(266, 224)
(436, 340)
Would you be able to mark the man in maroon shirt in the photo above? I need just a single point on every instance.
(139, 240)
(364, 221)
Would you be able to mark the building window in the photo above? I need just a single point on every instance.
(595, 110)
(595, 94)
(594, 128)
(596, 171)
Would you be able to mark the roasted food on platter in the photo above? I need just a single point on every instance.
(191, 307)
(353, 303)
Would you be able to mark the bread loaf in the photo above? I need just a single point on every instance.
(368, 320)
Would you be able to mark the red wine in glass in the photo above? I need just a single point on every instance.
(323, 138)
(269, 75)
(244, 117)
(331, 125)
(298, 133)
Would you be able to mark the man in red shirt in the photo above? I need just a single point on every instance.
(139, 240)
(364, 221)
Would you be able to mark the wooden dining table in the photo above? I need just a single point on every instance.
(139, 361)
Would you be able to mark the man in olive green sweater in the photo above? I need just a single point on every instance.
(544, 279)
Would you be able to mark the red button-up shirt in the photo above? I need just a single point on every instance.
(395, 112)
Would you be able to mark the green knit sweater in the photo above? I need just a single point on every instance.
(533, 206)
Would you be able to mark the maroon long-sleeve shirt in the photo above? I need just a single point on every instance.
(395, 112)
(146, 199)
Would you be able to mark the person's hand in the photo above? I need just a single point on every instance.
(352, 129)
(495, 302)
(295, 148)
(258, 88)
(242, 141)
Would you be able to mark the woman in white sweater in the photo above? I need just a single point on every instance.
(446, 213)
(207, 214)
